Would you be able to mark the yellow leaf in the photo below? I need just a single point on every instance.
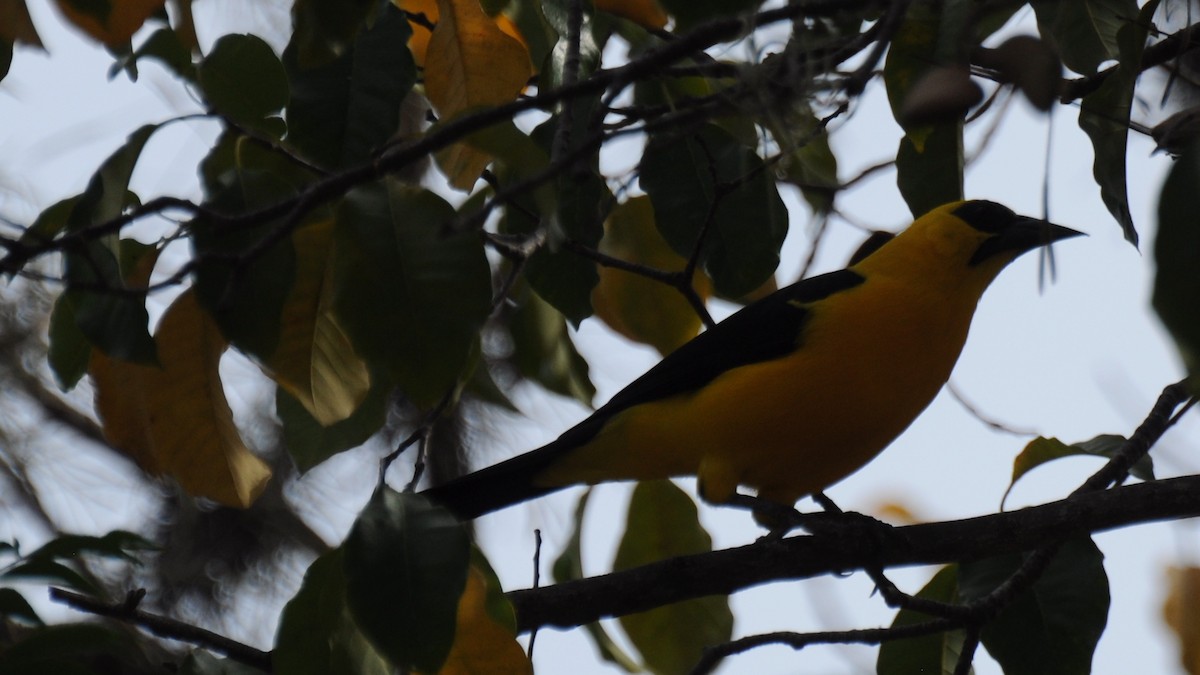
(645, 12)
(471, 63)
(482, 644)
(642, 309)
(16, 25)
(315, 361)
(112, 22)
(418, 43)
(1182, 613)
(174, 419)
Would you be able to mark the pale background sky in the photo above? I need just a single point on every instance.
(1080, 357)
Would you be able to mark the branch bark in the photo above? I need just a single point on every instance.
(576, 603)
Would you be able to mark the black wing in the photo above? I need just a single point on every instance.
(768, 329)
(763, 331)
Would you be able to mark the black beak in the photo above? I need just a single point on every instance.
(1023, 234)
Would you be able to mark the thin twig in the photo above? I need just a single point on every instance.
(166, 627)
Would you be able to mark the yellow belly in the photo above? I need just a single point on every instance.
(795, 425)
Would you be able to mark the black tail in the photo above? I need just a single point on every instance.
(504, 484)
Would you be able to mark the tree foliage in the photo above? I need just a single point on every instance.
(406, 210)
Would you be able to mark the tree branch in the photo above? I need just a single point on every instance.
(166, 627)
(575, 603)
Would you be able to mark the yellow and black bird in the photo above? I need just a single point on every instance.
(796, 391)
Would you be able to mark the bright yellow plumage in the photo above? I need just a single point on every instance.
(797, 391)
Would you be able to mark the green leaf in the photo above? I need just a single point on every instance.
(1177, 257)
(200, 662)
(13, 606)
(106, 195)
(709, 175)
(117, 544)
(557, 13)
(1104, 116)
(49, 571)
(568, 566)
(1085, 32)
(933, 653)
(543, 350)
(411, 295)
(344, 109)
(310, 444)
(116, 323)
(929, 161)
(6, 53)
(317, 634)
(808, 162)
(245, 294)
(69, 350)
(1042, 450)
(163, 46)
(572, 207)
(406, 567)
(65, 650)
(930, 174)
(1052, 627)
(323, 30)
(243, 80)
(691, 13)
(50, 222)
(663, 523)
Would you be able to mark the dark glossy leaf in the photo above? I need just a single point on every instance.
(411, 295)
(1177, 257)
(557, 13)
(1052, 627)
(544, 352)
(1042, 450)
(115, 322)
(929, 162)
(309, 443)
(50, 222)
(710, 178)
(1084, 32)
(106, 196)
(200, 662)
(64, 650)
(49, 571)
(323, 30)
(6, 54)
(1104, 115)
(573, 207)
(14, 607)
(316, 634)
(663, 523)
(406, 566)
(932, 175)
(691, 13)
(117, 544)
(933, 653)
(808, 161)
(243, 276)
(69, 350)
(243, 80)
(345, 108)
(163, 46)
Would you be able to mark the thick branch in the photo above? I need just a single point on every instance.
(722, 572)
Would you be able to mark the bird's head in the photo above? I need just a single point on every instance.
(965, 242)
